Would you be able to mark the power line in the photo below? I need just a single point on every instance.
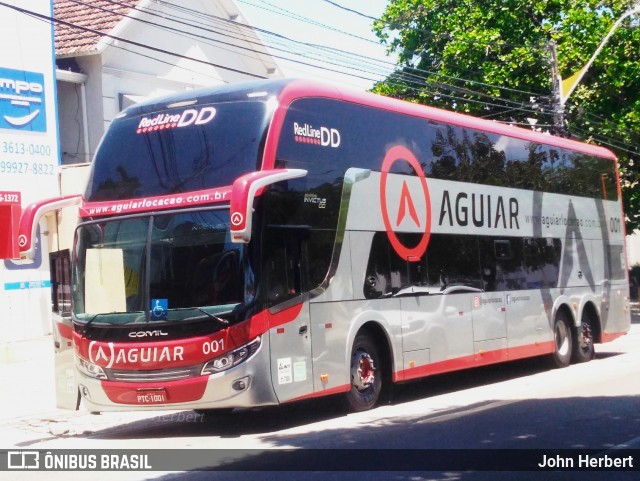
(350, 10)
(287, 13)
(418, 70)
(446, 36)
(132, 42)
(337, 52)
(364, 61)
(412, 78)
(248, 41)
(218, 42)
(201, 38)
(177, 31)
(411, 81)
(604, 140)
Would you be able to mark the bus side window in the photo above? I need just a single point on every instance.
(378, 281)
(453, 262)
(282, 264)
(489, 271)
(388, 273)
(509, 256)
(541, 262)
(317, 249)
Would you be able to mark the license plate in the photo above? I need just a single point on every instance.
(156, 396)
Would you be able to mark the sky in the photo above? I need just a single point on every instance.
(317, 29)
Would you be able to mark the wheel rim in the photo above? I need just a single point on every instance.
(562, 339)
(363, 371)
(586, 338)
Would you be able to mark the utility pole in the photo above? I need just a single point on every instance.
(556, 98)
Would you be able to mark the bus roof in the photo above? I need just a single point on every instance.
(288, 90)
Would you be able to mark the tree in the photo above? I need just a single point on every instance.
(492, 58)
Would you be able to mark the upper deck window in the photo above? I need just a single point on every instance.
(178, 150)
(327, 136)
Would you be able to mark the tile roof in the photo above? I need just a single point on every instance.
(100, 15)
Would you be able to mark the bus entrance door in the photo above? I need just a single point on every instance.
(291, 367)
(67, 394)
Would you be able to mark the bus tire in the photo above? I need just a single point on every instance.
(562, 338)
(365, 373)
(583, 343)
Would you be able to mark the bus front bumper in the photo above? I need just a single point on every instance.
(245, 385)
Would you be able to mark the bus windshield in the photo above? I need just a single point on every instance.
(177, 150)
(159, 268)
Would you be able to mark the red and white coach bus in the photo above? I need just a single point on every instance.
(269, 242)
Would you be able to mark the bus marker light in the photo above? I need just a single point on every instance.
(324, 377)
(240, 384)
(84, 391)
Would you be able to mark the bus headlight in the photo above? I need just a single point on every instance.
(90, 369)
(231, 359)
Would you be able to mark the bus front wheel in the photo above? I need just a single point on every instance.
(366, 374)
(563, 341)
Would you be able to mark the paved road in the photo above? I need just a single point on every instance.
(520, 405)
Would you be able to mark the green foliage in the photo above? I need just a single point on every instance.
(503, 47)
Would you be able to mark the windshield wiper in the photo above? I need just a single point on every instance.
(95, 316)
(212, 316)
(222, 321)
(88, 323)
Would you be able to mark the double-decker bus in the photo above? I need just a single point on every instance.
(276, 241)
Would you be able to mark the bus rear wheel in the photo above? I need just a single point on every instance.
(583, 348)
(563, 341)
(366, 374)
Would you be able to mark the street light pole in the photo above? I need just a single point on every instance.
(562, 89)
(575, 79)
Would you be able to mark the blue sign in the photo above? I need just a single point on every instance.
(14, 286)
(159, 308)
(22, 102)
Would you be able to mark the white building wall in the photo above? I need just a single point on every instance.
(135, 72)
(91, 66)
(114, 75)
(70, 115)
(121, 72)
(72, 181)
(27, 55)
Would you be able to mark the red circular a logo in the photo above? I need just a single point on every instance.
(407, 205)
(237, 218)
